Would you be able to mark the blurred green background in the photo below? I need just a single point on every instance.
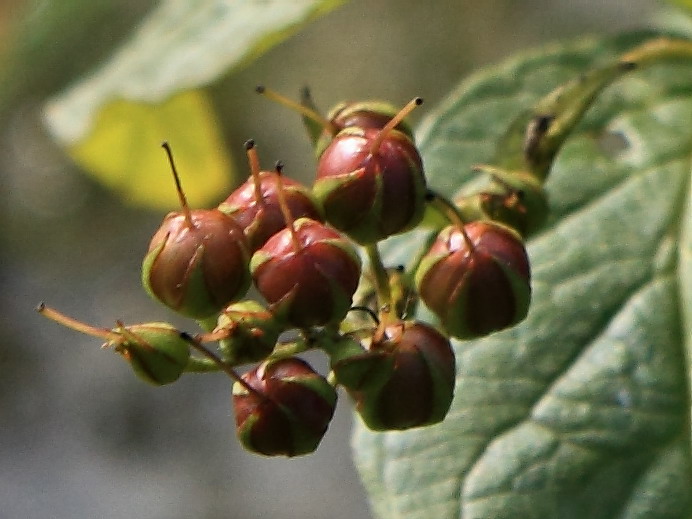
(80, 436)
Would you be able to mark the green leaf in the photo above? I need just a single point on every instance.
(583, 410)
(179, 47)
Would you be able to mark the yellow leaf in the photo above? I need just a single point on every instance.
(682, 3)
(123, 151)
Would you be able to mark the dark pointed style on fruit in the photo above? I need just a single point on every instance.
(370, 182)
(404, 379)
(286, 412)
(476, 279)
(197, 261)
(156, 351)
(255, 206)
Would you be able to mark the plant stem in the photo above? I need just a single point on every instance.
(201, 365)
(221, 364)
(381, 277)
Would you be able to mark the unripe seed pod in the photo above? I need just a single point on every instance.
(253, 332)
(260, 219)
(156, 351)
(288, 410)
(406, 378)
(476, 279)
(197, 266)
(371, 195)
(308, 274)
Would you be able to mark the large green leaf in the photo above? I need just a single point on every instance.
(583, 410)
(179, 47)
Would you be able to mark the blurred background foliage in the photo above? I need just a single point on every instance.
(81, 437)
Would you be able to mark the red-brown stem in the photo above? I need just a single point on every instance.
(285, 210)
(178, 186)
(297, 107)
(413, 103)
(253, 160)
(69, 322)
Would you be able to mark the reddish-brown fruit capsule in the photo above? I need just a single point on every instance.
(197, 266)
(308, 273)
(367, 195)
(371, 183)
(405, 379)
(197, 261)
(255, 205)
(288, 410)
(476, 279)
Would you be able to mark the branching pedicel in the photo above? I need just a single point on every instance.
(299, 247)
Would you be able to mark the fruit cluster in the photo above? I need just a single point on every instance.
(303, 250)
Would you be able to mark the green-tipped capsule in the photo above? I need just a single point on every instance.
(515, 198)
(156, 351)
(370, 182)
(308, 274)
(197, 261)
(404, 380)
(476, 279)
(252, 332)
(283, 408)
(197, 265)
